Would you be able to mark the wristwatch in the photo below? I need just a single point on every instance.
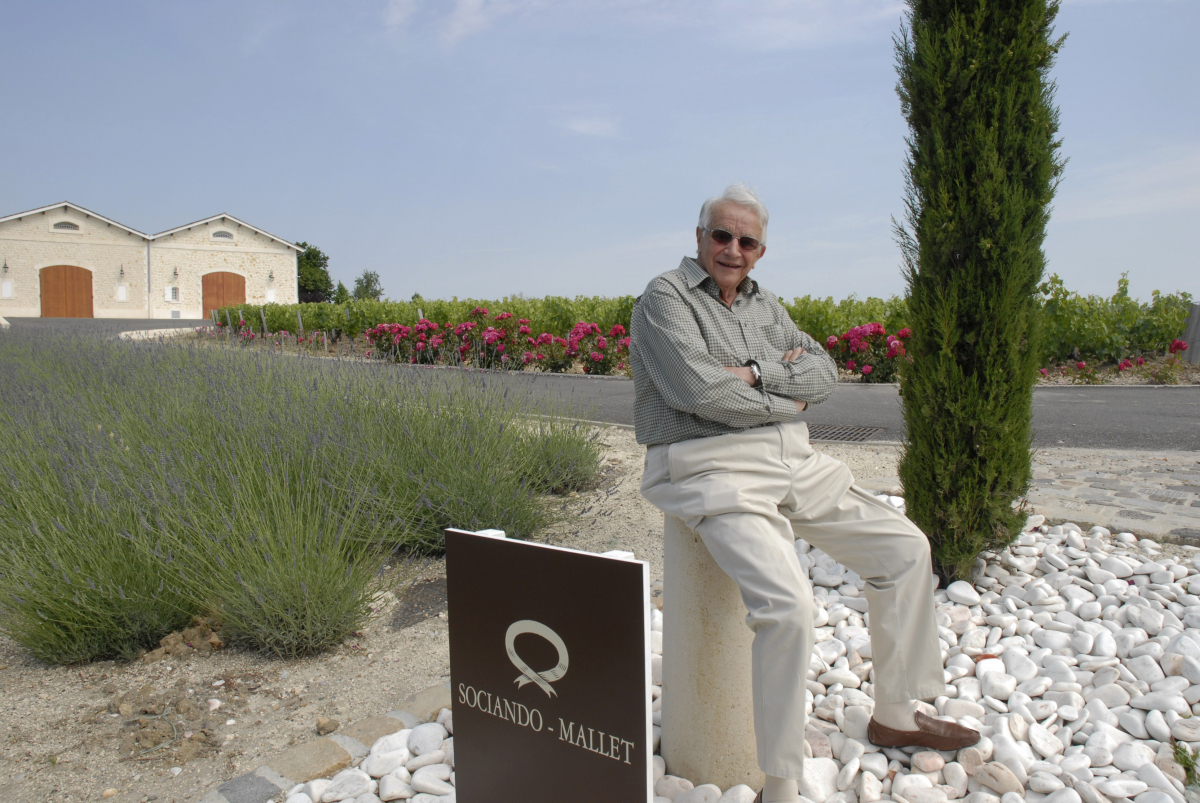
(754, 369)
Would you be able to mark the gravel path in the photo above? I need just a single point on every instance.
(63, 729)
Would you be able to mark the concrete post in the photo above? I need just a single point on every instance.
(708, 707)
(1192, 336)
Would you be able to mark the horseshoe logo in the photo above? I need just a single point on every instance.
(528, 675)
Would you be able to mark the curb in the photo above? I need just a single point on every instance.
(327, 755)
(503, 372)
(3, 323)
(1141, 385)
(153, 334)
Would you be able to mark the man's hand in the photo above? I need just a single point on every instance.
(794, 354)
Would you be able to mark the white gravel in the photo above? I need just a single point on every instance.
(1074, 656)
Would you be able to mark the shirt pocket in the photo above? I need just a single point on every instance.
(774, 336)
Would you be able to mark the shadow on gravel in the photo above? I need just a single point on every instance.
(419, 602)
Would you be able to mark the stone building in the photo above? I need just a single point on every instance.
(64, 261)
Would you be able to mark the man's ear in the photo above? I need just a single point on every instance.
(699, 234)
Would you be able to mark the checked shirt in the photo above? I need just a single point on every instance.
(683, 337)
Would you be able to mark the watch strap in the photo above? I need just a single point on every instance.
(754, 369)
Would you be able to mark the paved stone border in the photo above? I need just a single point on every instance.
(330, 754)
(3, 323)
(154, 334)
(1155, 497)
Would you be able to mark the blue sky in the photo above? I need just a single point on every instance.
(486, 147)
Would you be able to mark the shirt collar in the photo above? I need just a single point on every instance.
(695, 275)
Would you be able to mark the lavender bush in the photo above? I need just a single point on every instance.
(146, 484)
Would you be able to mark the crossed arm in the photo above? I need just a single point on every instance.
(690, 379)
(747, 376)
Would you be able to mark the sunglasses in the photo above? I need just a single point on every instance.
(722, 237)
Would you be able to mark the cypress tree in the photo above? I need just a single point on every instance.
(982, 167)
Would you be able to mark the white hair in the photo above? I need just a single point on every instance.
(741, 195)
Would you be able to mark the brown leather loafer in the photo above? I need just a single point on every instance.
(936, 734)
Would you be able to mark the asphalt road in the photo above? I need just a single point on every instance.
(1099, 417)
(1102, 417)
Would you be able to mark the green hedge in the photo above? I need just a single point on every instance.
(1077, 327)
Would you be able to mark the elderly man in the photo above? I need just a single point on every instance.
(721, 376)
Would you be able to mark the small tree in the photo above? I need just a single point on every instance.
(367, 287)
(982, 167)
(341, 295)
(315, 284)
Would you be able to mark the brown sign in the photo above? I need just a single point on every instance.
(550, 673)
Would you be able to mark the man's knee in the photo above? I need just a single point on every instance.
(911, 552)
(903, 550)
(782, 609)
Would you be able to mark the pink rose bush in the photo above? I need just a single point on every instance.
(869, 350)
(501, 341)
(423, 344)
(1166, 370)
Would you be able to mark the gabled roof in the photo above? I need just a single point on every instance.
(77, 208)
(144, 236)
(223, 218)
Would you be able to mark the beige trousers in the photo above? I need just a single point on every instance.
(749, 495)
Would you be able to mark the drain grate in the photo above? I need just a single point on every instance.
(828, 432)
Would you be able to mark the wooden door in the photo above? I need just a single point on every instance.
(66, 292)
(223, 289)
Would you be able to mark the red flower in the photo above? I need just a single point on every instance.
(1177, 346)
(1080, 365)
(866, 370)
(851, 365)
(1141, 361)
(1044, 371)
